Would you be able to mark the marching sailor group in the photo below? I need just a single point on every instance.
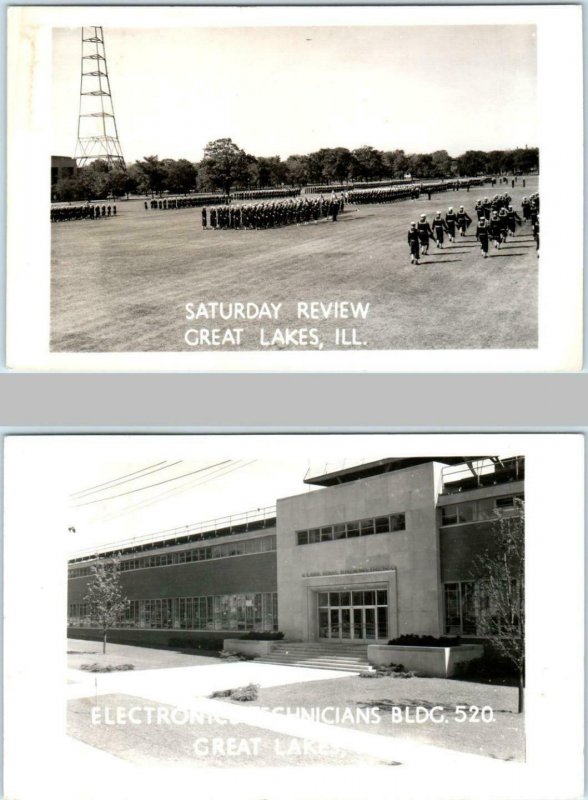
(497, 220)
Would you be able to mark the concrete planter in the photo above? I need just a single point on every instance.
(430, 662)
(249, 647)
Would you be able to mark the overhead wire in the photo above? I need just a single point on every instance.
(127, 480)
(120, 477)
(221, 472)
(151, 485)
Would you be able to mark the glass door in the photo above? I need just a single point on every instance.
(356, 616)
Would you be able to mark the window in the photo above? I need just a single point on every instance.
(327, 533)
(398, 522)
(382, 524)
(460, 608)
(478, 510)
(339, 531)
(350, 530)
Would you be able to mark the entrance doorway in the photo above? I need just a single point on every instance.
(360, 615)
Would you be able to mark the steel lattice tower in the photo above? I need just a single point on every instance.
(97, 132)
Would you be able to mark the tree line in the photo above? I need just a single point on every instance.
(225, 166)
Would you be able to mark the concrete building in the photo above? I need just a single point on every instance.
(62, 167)
(376, 551)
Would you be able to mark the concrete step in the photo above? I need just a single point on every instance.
(321, 646)
(337, 666)
(350, 662)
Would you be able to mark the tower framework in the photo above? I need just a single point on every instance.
(97, 131)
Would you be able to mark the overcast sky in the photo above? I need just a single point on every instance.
(280, 91)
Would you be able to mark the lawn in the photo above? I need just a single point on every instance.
(81, 651)
(122, 283)
(204, 742)
(502, 738)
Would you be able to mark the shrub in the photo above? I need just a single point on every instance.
(229, 655)
(95, 667)
(391, 671)
(490, 668)
(243, 694)
(414, 640)
(246, 693)
(263, 636)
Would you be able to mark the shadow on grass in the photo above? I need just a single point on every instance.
(442, 261)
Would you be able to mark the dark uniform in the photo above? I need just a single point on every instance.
(463, 221)
(451, 222)
(425, 233)
(482, 236)
(439, 227)
(535, 230)
(495, 230)
(414, 244)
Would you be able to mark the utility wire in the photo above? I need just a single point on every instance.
(113, 480)
(127, 480)
(151, 485)
(220, 473)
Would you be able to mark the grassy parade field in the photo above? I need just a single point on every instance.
(122, 283)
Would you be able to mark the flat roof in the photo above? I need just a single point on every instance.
(382, 465)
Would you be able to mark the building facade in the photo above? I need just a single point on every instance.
(375, 551)
(62, 167)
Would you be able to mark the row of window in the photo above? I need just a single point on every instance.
(263, 544)
(377, 597)
(478, 510)
(349, 530)
(474, 609)
(229, 612)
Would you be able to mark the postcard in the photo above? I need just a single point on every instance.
(323, 189)
(294, 616)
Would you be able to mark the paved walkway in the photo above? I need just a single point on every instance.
(188, 689)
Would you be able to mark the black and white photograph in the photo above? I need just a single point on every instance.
(364, 608)
(306, 187)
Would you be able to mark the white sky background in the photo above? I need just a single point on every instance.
(262, 470)
(281, 91)
(242, 485)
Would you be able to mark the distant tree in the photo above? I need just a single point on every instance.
(441, 164)
(500, 587)
(337, 163)
(367, 163)
(421, 165)
(297, 167)
(315, 163)
(395, 163)
(180, 175)
(152, 174)
(472, 162)
(495, 162)
(224, 165)
(105, 596)
(525, 159)
(119, 182)
(269, 171)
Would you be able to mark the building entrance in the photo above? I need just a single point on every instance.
(358, 615)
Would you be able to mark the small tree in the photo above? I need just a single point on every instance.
(105, 596)
(501, 591)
